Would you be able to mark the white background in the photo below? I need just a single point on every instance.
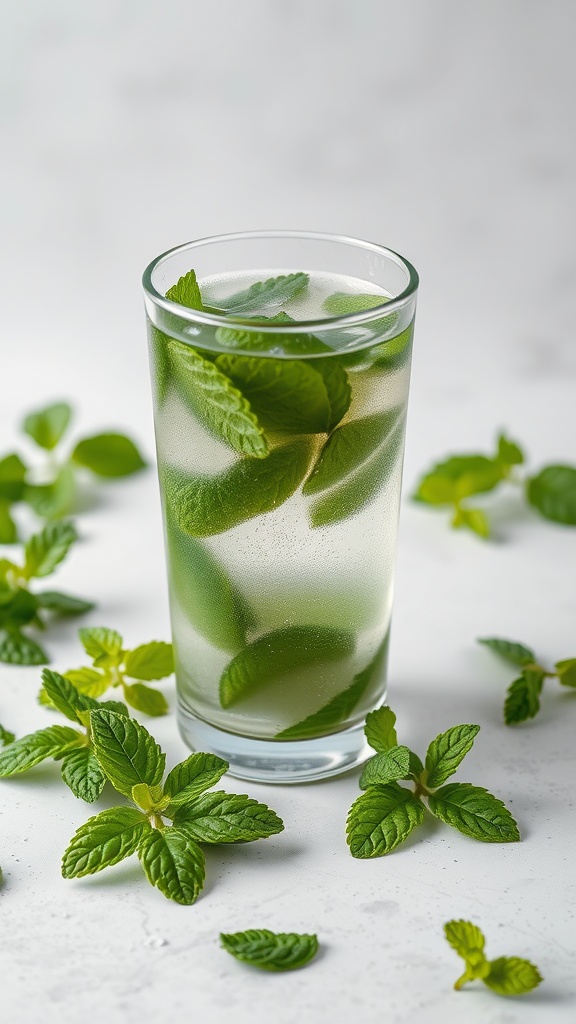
(444, 130)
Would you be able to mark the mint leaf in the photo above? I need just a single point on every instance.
(345, 303)
(458, 477)
(271, 951)
(145, 699)
(82, 774)
(18, 607)
(62, 604)
(209, 599)
(53, 500)
(381, 819)
(30, 750)
(47, 426)
(105, 839)
(17, 649)
(191, 777)
(512, 976)
(149, 798)
(337, 386)
(126, 751)
(253, 341)
(64, 696)
(362, 487)
(173, 863)
(566, 671)
(160, 363)
(186, 291)
(447, 751)
(219, 406)
(340, 707)
(150, 661)
(6, 737)
(513, 652)
(8, 530)
(45, 550)
(348, 448)
(108, 455)
(100, 642)
(285, 394)
(275, 291)
(227, 818)
(474, 812)
(390, 766)
(523, 697)
(509, 453)
(467, 939)
(88, 680)
(276, 653)
(395, 352)
(553, 493)
(472, 519)
(12, 477)
(380, 729)
(207, 505)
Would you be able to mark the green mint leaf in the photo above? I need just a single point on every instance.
(186, 291)
(468, 941)
(82, 774)
(30, 750)
(149, 798)
(88, 680)
(12, 477)
(103, 840)
(191, 777)
(6, 737)
(553, 493)
(513, 652)
(126, 751)
(390, 766)
(472, 519)
(345, 303)
(219, 406)
(45, 550)
(566, 671)
(348, 448)
(362, 487)
(395, 352)
(458, 477)
(56, 499)
(18, 608)
(512, 976)
(207, 596)
(297, 345)
(337, 386)
(381, 819)
(474, 812)
(46, 426)
(108, 455)
(64, 696)
(114, 705)
(286, 395)
(340, 707)
(523, 697)
(380, 729)
(17, 649)
(8, 529)
(447, 751)
(100, 642)
(276, 291)
(509, 453)
(227, 818)
(144, 698)
(174, 863)
(276, 653)
(207, 505)
(271, 951)
(150, 661)
(62, 604)
(160, 363)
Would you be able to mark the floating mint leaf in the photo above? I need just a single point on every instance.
(474, 812)
(394, 353)
(286, 394)
(298, 345)
(337, 385)
(275, 291)
(348, 448)
(381, 819)
(108, 455)
(345, 303)
(279, 652)
(186, 291)
(47, 426)
(553, 493)
(271, 951)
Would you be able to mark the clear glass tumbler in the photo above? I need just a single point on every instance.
(280, 366)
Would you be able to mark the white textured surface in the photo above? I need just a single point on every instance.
(443, 130)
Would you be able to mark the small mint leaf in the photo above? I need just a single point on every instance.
(103, 840)
(150, 661)
(99, 641)
(126, 751)
(227, 818)
(47, 426)
(447, 751)
(174, 863)
(381, 819)
(512, 976)
(553, 493)
(30, 750)
(474, 812)
(45, 550)
(108, 455)
(566, 671)
(390, 766)
(380, 729)
(144, 698)
(82, 774)
(513, 652)
(523, 697)
(191, 777)
(271, 951)
(275, 291)
(186, 291)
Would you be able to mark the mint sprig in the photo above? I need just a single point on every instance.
(386, 814)
(523, 695)
(271, 951)
(170, 854)
(21, 607)
(507, 975)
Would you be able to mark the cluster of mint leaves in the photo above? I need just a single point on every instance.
(386, 813)
(523, 695)
(507, 975)
(114, 666)
(450, 483)
(20, 607)
(52, 497)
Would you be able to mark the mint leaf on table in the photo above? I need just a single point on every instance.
(55, 499)
(62, 604)
(283, 650)
(27, 752)
(222, 409)
(6, 736)
(348, 448)
(186, 291)
(82, 774)
(553, 493)
(514, 652)
(48, 425)
(386, 813)
(144, 698)
(507, 976)
(150, 661)
(275, 291)
(170, 854)
(523, 695)
(285, 394)
(108, 455)
(44, 551)
(12, 478)
(18, 649)
(100, 642)
(206, 505)
(271, 951)
(566, 672)
(338, 710)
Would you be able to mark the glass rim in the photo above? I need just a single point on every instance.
(325, 324)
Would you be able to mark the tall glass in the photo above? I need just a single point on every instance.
(280, 374)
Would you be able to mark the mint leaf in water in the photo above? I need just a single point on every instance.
(523, 695)
(186, 291)
(48, 425)
(108, 455)
(348, 448)
(275, 291)
(553, 493)
(507, 975)
(337, 386)
(281, 651)
(286, 394)
(271, 951)
(345, 303)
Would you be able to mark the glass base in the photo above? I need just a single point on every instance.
(282, 762)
